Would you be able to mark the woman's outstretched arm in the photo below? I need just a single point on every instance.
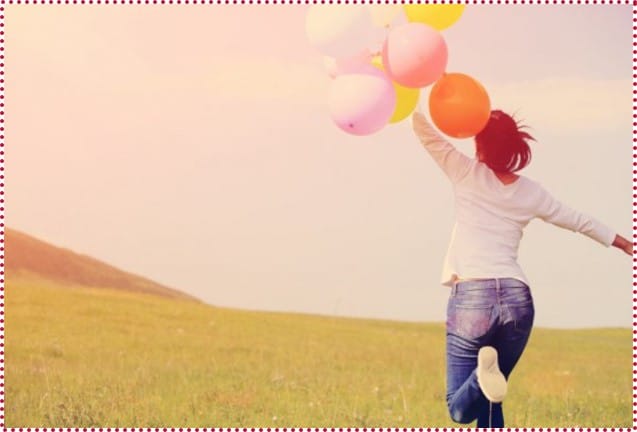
(453, 162)
(553, 211)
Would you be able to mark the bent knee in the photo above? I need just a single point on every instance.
(460, 416)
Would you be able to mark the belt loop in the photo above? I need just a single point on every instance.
(454, 288)
(497, 285)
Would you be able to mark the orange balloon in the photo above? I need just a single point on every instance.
(459, 105)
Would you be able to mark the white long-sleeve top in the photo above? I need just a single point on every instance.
(490, 216)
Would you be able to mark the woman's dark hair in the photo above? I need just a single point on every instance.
(502, 144)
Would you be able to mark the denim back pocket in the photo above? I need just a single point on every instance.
(519, 302)
(469, 321)
(523, 316)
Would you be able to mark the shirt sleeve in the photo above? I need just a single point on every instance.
(454, 163)
(553, 211)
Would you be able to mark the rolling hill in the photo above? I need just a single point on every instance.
(27, 256)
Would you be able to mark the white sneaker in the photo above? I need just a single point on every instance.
(490, 378)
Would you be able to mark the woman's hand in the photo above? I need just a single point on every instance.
(629, 249)
(623, 244)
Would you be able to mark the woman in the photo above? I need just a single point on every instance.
(490, 311)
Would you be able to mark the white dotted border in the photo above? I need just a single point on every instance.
(634, 49)
(2, 291)
(296, 2)
(202, 2)
(282, 429)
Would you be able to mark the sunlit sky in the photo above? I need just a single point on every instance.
(192, 145)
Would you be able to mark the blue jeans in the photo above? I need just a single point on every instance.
(495, 312)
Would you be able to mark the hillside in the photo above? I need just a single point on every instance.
(28, 256)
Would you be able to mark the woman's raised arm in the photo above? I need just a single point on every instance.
(453, 162)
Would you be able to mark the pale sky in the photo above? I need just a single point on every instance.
(192, 145)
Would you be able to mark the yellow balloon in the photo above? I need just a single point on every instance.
(406, 98)
(437, 16)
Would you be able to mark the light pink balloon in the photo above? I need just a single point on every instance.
(362, 103)
(348, 65)
(415, 55)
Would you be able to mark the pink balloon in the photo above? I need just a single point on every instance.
(415, 55)
(362, 103)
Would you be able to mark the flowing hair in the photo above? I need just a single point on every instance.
(503, 145)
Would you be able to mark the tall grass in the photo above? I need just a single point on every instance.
(89, 357)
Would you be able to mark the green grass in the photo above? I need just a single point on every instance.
(89, 357)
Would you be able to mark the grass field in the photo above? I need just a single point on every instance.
(90, 357)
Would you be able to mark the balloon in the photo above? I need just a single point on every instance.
(362, 103)
(437, 16)
(406, 98)
(414, 55)
(336, 67)
(383, 15)
(459, 105)
(339, 31)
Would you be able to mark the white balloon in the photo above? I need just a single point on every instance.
(383, 15)
(339, 30)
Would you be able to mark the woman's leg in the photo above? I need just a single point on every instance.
(464, 397)
(470, 318)
(490, 416)
(510, 340)
(465, 400)
(510, 346)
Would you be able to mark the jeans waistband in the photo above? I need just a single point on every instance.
(485, 284)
